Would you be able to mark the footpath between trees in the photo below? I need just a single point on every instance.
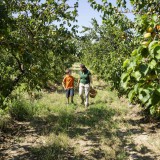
(109, 129)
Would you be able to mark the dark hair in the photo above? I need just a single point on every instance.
(82, 66)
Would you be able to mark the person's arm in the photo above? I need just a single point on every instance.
(78, 82)
(64, 84)
(90, 79)
(73, 81)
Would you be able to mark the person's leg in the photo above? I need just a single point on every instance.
(81, 88)
(72, 99)
(67, 95)
(87, 87)
(72, 94)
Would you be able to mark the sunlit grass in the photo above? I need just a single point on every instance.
(71, 130)
(71, 120)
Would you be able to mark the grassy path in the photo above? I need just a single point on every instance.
(108, 130)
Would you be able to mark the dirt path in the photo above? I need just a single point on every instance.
(140, 139)
(109, 129)
(145, 136)
(16, 141)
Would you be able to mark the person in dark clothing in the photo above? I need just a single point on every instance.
(84, 82)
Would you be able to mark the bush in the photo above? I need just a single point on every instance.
(4, 119)
(56, 147)
(21, 110)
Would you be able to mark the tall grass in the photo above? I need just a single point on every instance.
(21, 110)
(5, 119)
(55, 148)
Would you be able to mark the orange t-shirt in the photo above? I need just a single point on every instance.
(68, 81)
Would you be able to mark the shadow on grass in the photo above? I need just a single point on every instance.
(89, 124)
(85, 124)
(54, 152)
(73, 124)
(94, 116)
(131, 149)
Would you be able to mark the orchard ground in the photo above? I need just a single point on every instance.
(44, 127)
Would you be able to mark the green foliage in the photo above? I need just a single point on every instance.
(21, 110)
(104, 49)
(4, 119)
(141, 71)
(116, 14)
(113, 15)
(141, 76)
(35, 43)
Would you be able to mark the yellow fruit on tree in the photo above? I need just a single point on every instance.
(149, 29)
(157, 27)
(53, 32)
(145, 43)
(147, 35)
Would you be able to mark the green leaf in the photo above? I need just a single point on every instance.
(152, 110)
(125, 78)
(132, 66)
(157, 91)
(136, 87)
(139, 49)
(152, 64)
(144, 52)
(155, 98)
(144, 95)
(157, 54)
(155, 17)
(134, 52)
(104, 1)
(148, 104)
(137, 75)
(144, 69)
(126, 63)
(131, 95)
(152, 45)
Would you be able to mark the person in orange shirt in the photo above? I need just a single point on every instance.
(68, 85)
